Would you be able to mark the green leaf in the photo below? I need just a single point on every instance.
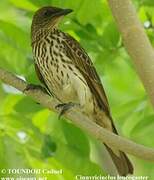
(76, 139)
(14, 44)
(85, 18)
(50, 164)
(10, 102)
(111, 36)
(14, 36)
(40, 3)
(143, 130)
(27, 105)
(40, 120)
(49, 147)
(13, 157)
(88, 167)
(24, 4)
(148, 2)
(31, 76)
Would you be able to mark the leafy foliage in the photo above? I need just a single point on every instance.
(36, 137)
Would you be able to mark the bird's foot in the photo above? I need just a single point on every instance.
(35, 87)
(64, 107)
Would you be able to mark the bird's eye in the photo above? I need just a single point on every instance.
(47, 13)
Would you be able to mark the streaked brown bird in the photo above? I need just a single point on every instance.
(66, 70)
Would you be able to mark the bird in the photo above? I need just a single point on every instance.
(67, 72)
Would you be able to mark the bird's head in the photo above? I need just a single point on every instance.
(48, 17)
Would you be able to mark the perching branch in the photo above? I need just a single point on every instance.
(81, 120)
(136, 42)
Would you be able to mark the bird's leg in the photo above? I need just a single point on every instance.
(64, 107)
(35, 87)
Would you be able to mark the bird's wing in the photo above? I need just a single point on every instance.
(83, 62)
(39, 75)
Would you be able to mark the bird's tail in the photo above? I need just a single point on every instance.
(121, 161)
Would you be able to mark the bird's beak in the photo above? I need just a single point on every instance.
(62, 12)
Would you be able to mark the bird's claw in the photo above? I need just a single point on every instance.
(35, 87)
(64, 107)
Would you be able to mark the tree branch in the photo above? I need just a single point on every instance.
(81, 120)
(136, 42)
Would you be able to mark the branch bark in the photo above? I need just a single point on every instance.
(136, 42)
(81, 120)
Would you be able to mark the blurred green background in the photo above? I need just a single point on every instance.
(32, 136)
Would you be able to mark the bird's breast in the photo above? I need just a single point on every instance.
(56, 68)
